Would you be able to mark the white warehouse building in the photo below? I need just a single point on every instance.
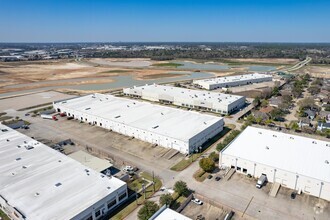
(231, 81)
(182, 130)
(211, 101)
(38, 183)
(295, 162)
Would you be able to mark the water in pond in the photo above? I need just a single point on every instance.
(213, 66)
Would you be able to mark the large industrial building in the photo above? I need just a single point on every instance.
(231, 81)
(210, 101)
(182, 130)
(38, 183)
(295, 162)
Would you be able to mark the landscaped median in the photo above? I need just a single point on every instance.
(136, 185)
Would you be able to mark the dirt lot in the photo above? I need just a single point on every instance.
(322, 71)
(24, 101)
(40, 74)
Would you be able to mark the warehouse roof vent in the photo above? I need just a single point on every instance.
(267, 148)
(154, 127)
(326, 161)
(87, 109)
(118, 116)
(58, 184)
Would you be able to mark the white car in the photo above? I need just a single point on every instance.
(197, 201)
(128, 168)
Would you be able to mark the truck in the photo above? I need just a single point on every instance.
(261, 181)
(52, 117)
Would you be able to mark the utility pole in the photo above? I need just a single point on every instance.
(136, 196)
(144, 190)
(153, 181)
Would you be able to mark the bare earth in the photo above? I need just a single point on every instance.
(322, 71)
(27, 75)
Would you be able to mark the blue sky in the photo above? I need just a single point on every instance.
(164, 21)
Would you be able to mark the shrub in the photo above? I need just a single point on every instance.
(207, 164)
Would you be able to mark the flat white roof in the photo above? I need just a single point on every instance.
(169, 214)
(90, 161)
(229, 79)
(190, 94)
(296, 154)
(44, 184)
(167, 121)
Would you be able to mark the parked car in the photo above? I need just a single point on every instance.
(217, 178)
(209, 176)
(293, 195)
(197, 201)
(25, 127)
(128, 169)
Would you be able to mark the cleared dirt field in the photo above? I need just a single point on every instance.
(40, 74)
(322, 71)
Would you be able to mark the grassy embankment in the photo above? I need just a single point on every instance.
(167, 64)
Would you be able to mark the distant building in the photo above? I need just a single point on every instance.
(231, 81)
(38, 183)
(295, 162)
(210, 101)
(181, 130)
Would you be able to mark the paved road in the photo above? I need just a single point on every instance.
(298, 65)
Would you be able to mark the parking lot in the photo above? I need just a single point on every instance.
(120, 149)
(258, 204)
(209, 210)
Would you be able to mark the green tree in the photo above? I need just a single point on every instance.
(276, 113)
(214, 156)
(275, 91)
(207, 164)
(259, 120)
(294, 126)
(250, 119)
(264, 103)
(181, 188)
(166, 199)
(268, 121)
(149, 208)
(256, 101)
